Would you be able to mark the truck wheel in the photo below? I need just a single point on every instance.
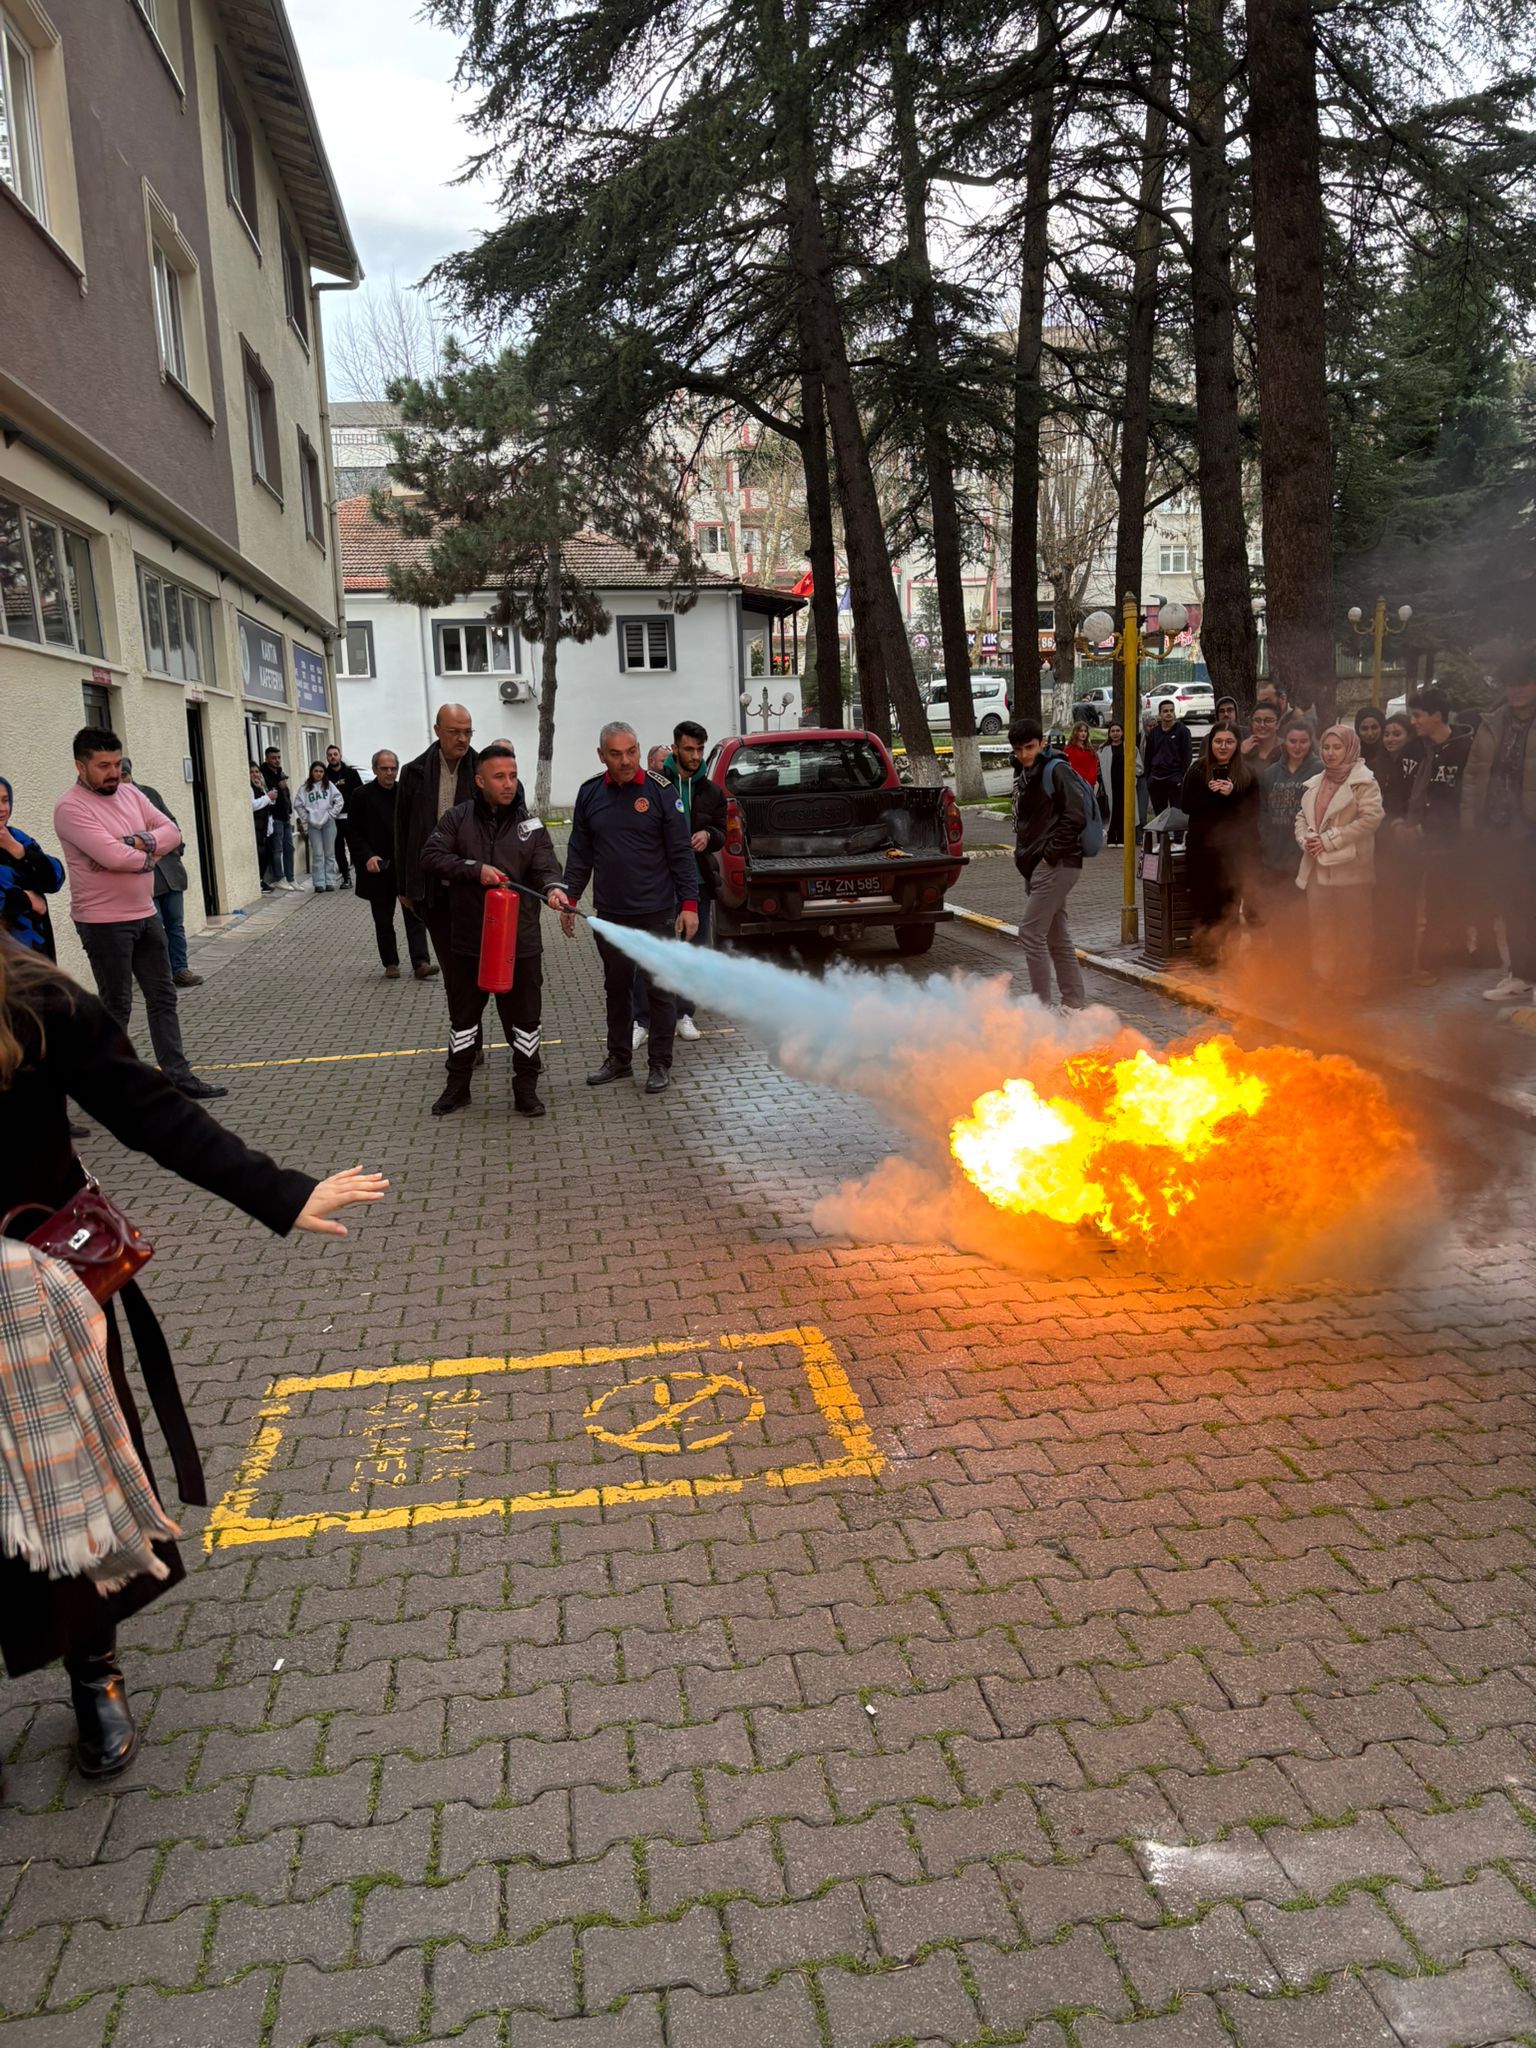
(991, 726)
(912, 939)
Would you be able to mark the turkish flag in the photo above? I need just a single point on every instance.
(803, 588)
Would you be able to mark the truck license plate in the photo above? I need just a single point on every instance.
(845, 885)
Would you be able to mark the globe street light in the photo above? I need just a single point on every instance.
(765, 709)
(1376, 632)
(1129, 647)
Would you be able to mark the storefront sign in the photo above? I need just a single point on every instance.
(261, 661)
(309, 681)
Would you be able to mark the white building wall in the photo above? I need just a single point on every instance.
(395, 707)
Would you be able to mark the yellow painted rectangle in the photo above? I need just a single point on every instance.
(232, 1521)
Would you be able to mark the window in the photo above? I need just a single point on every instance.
(354, 650)
(239, 156)
(261, 420)
(178, 629)
(310, 491)
(709, 540)
(645, 644)
(21, 149)
(751, 540)
(163, 20)
(47, 587)
(295, 283)
(466, 649)
(844, 764)
(176, 292)
(173, 347)
(1173, 561)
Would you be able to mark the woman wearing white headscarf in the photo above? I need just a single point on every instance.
(1336, 827)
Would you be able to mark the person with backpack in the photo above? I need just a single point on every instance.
(1056, 825)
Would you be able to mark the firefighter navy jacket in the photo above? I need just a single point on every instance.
(630, 841)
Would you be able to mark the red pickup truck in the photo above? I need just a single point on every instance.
(821, 838)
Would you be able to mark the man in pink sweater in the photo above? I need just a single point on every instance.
(111, 836)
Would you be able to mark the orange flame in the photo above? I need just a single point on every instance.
(1125, 1146)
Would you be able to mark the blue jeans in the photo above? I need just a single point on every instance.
(280, 850)
(322, 854)
(171, 910)
(642, 985)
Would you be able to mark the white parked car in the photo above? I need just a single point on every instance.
(1193, 702)
(989, 694)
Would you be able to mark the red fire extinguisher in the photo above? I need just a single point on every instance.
(498, 941)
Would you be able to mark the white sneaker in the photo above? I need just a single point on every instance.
(1510, 990)
(641, 1035)
(686, 1028)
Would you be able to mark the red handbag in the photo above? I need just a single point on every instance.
(92, 1235)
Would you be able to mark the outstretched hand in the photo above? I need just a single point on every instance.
(339, 1192)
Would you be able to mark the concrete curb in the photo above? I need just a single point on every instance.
(1509, 1101)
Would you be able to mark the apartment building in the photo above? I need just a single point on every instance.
(168, 554)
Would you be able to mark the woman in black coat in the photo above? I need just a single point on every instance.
(1220, 797)
(57, 1042)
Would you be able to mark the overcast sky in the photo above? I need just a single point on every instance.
(391, 122)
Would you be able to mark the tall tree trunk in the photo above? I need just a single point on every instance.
(822, 548)
(1289, 328)
(886, 653)
(550, 652)
(1229, 638)
(948, 567)
(874, 690)
(1140, 343)
(1028, 389)
(874, 598)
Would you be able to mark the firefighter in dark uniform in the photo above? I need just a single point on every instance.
(629, 838)
(477, 846)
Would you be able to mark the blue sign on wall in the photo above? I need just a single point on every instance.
(261, 661)
(309, 681)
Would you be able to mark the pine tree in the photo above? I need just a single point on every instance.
(498, 484)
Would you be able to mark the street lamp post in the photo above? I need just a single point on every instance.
(1376, 632)
(1129, 647)
(764, 708)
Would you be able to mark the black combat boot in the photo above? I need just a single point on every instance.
(108, 1738)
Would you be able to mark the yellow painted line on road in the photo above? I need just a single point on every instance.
(233, 1522)
(410, 1052)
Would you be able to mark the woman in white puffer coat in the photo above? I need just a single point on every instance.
(1336, 827)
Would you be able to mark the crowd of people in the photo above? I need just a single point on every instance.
(1398, 848)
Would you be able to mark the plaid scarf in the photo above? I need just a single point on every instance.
(75, 1499)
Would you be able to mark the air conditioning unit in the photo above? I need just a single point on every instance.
(516, 691)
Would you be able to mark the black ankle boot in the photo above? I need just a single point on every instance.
(526, 1102)
(454, 1096)
(108, 1738)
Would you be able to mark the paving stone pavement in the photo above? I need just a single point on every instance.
(1168, 1684)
